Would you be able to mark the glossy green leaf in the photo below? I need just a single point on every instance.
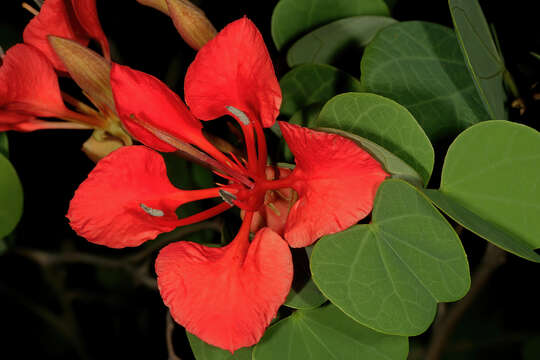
(481, 55)
(392, 164)
(304, 293)
(293, 18)
(420, 65)
(4, 147)
(492, 170)
(384, 122)
(481, 227)
(326, 333)
(11, 197)
(390, 274)
(203, 351)
(338, 40)
(313, 83)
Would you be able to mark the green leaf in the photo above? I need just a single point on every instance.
(384, 122)
(481, 55)
(390, 162)
(4, 146)
(420, 65)
(492, 170)
(336, 41)
(304, 293)
(326, 333)
(203, 351)
(11, 197)
(390, 274)
(293, 18)
(481, 227)
(313, 83)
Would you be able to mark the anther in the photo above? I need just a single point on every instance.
(227, 196)
(150, 211)
(239, 114)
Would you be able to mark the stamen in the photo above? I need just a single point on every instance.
(2, 54)
(153, 212)
(240, 115)
(227, 196)
(39, 3)
(272, 207)
(30, 9)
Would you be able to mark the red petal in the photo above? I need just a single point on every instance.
(56, 17)
(234, 69)
(336, 183)
(108, 207)
(86, 13)
(151, 101)
(225, 296)
(28, 84)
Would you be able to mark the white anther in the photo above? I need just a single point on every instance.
(240, 115)
(227, 196)
(150, 211)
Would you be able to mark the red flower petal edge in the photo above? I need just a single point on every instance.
(56, 17)
(226, 296)
(336, 181)
(234, 69)
(86, 13)
(139, 95)
(28, 86)
(127, 199)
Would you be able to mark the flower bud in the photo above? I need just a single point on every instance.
(191, 23)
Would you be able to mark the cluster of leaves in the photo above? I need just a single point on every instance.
(420, 83)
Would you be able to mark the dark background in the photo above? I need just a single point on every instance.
(118, 318)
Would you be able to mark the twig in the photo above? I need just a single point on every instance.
(443, 329)
(169, 328)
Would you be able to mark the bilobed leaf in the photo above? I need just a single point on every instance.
(384, 122)
(390, 274)
(481, 227)
(304, 293)
(391, 163)
(11, 197)
(326, 333)
(492, 170)
(338, 40)
(4, 146)
(293, 18)
(420, 65)
(313, 83)
(203, 351)
(481, 54)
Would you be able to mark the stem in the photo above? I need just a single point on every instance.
(169, 328)
(443, 330)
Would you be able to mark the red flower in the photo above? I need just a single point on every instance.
(70, 19)
(226, 296)
(29, 89)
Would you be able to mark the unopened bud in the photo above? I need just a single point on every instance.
(89, 70)
(160, 5)
(191, 23)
